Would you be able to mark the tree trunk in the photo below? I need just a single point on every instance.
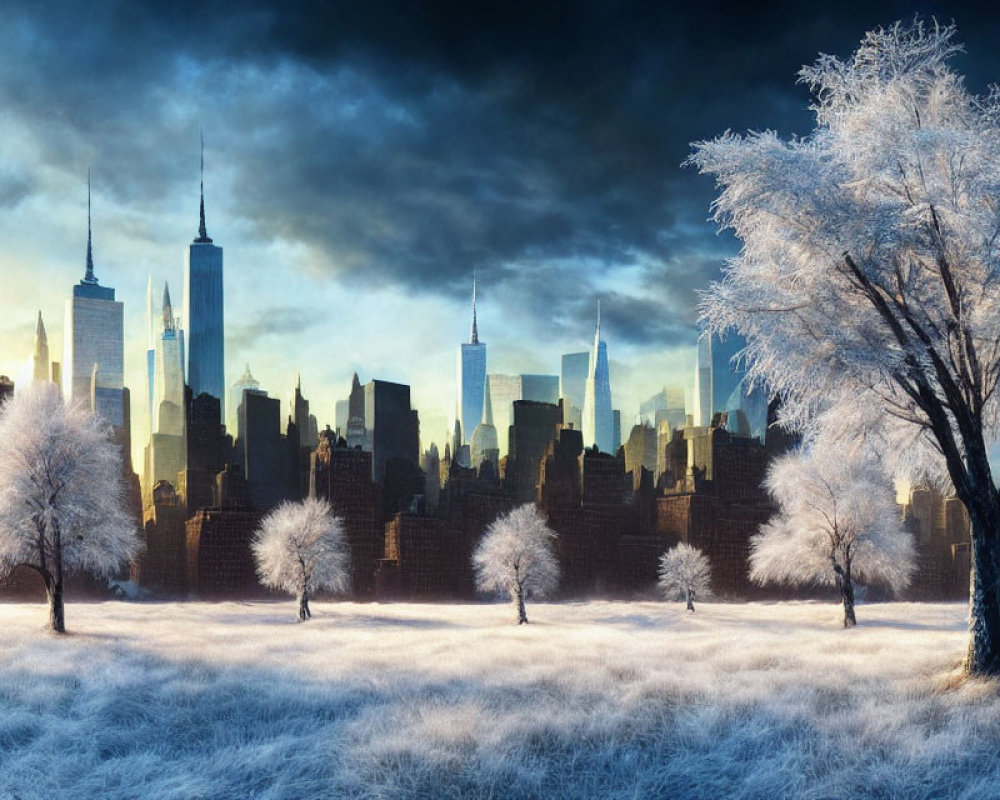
(847, 594)
(983, 657)
(689, 593)
(304, 612)
(522, 617)
(57, 617)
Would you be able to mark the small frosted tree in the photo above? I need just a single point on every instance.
(870, 271)
(301, 548)
(685, 574)
(515, 556)
(61, 494)
(838, 522)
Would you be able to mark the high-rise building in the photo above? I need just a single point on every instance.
(540, 388)
(392, 426)
(166, 454)
(262, 450)
(504, 391)
(598, 416)
(93, 357)
(245, 382)
(471, 377)
(535, 426)
(727, 369)
(203, 310)
(305, 422)
(483, 444)
(150, 355)
(573, 377)
(41, 368)
(573, 387)
(340, 412)
(703, 382)
(356, 435)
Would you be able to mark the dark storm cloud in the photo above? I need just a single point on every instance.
(409, 143)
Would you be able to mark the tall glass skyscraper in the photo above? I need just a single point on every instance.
(93, 352)
(703, 376)
(203, 312)
(167, 452)
(471, 377)
(598, 416)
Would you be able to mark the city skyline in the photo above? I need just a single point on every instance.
(355, 204)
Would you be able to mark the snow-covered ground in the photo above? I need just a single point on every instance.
(595, 699)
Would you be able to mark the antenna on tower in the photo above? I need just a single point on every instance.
(89, 276)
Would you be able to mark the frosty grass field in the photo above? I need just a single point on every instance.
(596, 699)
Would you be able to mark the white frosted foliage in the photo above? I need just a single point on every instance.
(515, 556)
(869, 276)
(838, 522)
(61, 495)
(685, 574)
(301, 548)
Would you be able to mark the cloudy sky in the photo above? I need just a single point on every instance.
(363, 158)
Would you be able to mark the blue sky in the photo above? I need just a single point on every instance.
(363, 159)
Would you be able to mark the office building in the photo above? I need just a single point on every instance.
(204, 322)
(93, 355)
(471, 377)
(598, 416)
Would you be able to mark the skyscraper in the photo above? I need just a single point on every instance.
(504, 391)
(166, 454)
(93, 360)
(244, 382)
(356, 423)
(304, 421)
(572, 387)
(598, 416)
(703, 381)
(41, 369)
(573, 377)
(150, 353)
(483, 445)
(203, 310)
(471, 377)
(392, 425)
(540, 388)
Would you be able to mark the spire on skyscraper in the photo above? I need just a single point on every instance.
(89, 276)
(597, 336)
(203, 237)
(40, 363)
(40, 338)
(474, 336)
(168, 312)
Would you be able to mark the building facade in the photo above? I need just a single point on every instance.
(204, 319)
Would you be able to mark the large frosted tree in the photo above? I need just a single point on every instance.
(870, 271)
(685, 574)
(61, 495)
(515, 556)
(301, 548)
(838, 523)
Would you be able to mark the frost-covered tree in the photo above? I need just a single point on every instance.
(61, 495)
(838, 522)
(301, 548)
(685, 574)
(870, 270)
(515, 556)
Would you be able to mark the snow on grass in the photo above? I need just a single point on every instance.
(595, 699)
